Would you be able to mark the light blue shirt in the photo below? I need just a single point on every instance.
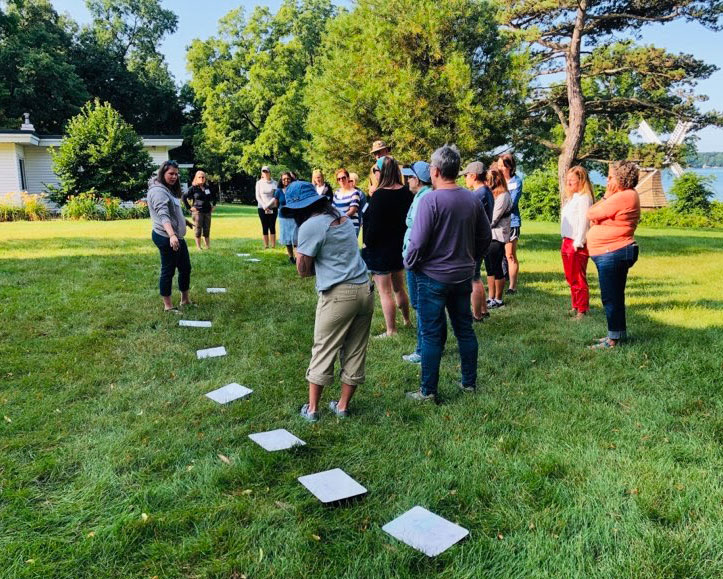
(514, 185)
(335, 251)
(411, 214)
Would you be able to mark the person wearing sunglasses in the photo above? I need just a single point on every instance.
(346, 198)
(169, 229)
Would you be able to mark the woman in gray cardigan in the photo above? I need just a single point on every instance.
(500, 225)
(169, 228)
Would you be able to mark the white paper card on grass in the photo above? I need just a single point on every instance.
(273, 440)
(332, 485)
(253, 260)
(216, 290)
(229, 393)
(194, 324)
(211, 352)
(243, 254)
(425, 531)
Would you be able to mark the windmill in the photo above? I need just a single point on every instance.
(650, 185)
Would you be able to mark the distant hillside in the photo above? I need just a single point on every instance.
(706, 160)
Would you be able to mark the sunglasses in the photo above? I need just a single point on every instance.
(172, 164)
(342, 178)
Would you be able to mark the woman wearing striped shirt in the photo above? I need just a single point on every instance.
(346, 198)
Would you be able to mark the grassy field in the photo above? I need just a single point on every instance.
(568, 463)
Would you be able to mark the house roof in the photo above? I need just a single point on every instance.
(45, 140)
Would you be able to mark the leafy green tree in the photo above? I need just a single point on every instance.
(101, 153)
(36, 68)
(417, 73)
(692, 193)
(117, 56)
(248, 82)
(606, 85)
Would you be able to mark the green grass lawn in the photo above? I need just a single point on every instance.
(568, 463)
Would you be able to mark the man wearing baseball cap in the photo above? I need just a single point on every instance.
(475, 180)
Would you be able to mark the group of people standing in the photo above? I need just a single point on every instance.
(416, 220)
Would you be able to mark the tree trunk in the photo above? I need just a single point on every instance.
(575, 130)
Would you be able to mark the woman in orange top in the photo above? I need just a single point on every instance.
(612, 246)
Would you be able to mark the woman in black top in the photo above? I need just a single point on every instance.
(383, 235)
(200, 201)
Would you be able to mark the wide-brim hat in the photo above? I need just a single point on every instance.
(300, 194)
(379, 146)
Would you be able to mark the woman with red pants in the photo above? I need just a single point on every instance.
(574, 225)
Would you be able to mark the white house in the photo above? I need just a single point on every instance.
(26, 164)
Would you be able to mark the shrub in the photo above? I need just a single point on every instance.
(29, 207)
(83, 206)
(541, 198)
(670, 217)
(692, 193)
(101, 152)
(35, 209)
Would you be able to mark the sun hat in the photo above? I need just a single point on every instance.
(379, 146)
(300, 194)
(475, 168)
(420, 170)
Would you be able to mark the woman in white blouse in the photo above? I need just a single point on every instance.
(574, 225)
(268, 206)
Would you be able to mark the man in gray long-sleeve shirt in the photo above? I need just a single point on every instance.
(450, 233)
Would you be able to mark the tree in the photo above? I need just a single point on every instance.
(249, 80)
(38, 75)
(417, 73)
(101, 153)
(606, 87)
(117, 55)
(692, 193)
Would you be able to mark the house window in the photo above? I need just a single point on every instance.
(23, 180)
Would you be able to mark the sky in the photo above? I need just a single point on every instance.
(199, 20)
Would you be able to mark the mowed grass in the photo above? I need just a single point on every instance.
(568, 463)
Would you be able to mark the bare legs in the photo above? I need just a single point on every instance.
(207, 240)
(479, 302)
(272, 237)
(266, 241)
(393, 295)
(315, 390)
(495, 287)
(168, 303)
(513, 266)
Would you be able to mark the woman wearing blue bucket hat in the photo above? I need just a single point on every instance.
(328, 249)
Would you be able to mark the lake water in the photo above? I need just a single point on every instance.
(668, 177)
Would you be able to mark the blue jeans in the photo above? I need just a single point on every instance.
(432, 299)
(612, 271)
(413, 290)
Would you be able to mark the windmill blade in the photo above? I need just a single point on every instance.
(648, 134)
(680, 132)
(676, 169)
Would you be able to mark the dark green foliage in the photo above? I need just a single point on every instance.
(415, 73)
(542, 195)
(101, 153)
(37, 71)
(706, 160)
(692, 192)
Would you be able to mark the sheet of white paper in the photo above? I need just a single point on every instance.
(425, 531)
(229, 392)
(332, 485)
(243, 254)
(211, 352)
(253, 260)
(216, 290)
(279, 439)
(194, 324)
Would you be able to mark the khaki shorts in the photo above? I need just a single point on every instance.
(202, 222)
(343, 319)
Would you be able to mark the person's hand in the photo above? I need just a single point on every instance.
(194, 210)
(175, 244)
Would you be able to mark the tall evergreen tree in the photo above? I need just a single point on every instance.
(607, 85)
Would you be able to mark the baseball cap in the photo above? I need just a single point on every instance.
(420, 170)
(265, 168)
(475, 167)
